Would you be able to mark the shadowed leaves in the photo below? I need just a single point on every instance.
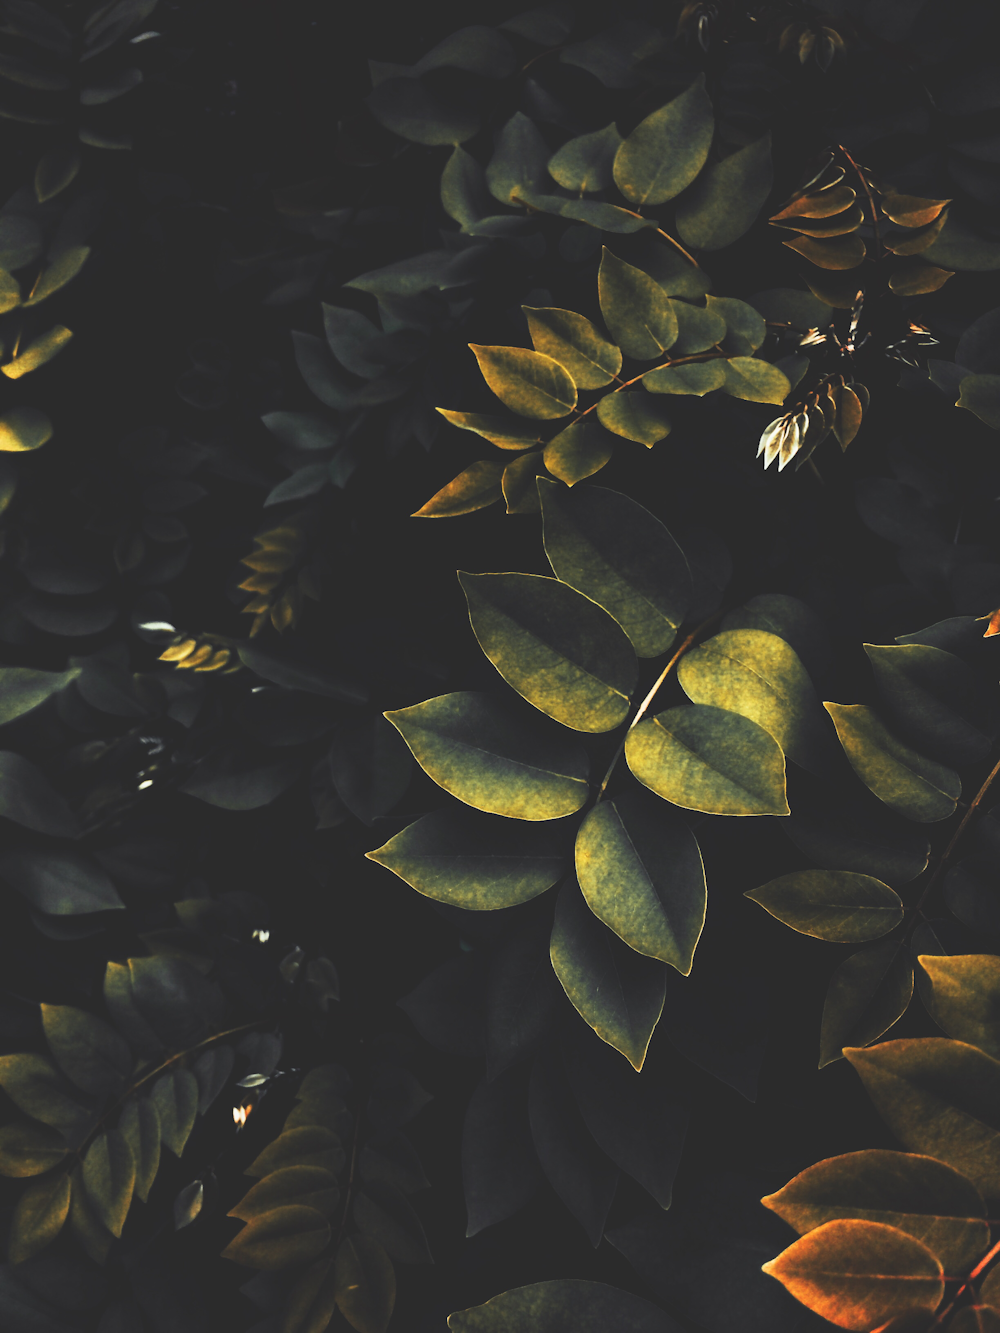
(567, 1305)
(868, 992)
(836, 905)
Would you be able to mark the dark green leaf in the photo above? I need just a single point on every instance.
(586, 162)
(699, 378)
(635, 308)
(26, 798)
(60, 883)
(109, 1179)
(365, 1284)
(835, 905)
(174, 1097)
(499, 1171)
(518, 168)
(285, 1236)
(88, 1051)
(385, 1215)
(139, 1124)
(28, 1149)
(635, 417)
(23, 688)
(725, 199)
(36, 1087)
(523, 998)
(935, 701)
(416, 111)
(698, 329)
(567, 1305)
(868, 992)
(370, 767)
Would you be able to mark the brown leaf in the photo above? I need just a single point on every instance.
(915, 279)
(917, 241)
(823, 204)
(848, 421)
(994, 623)
(909, 211)
(840, 224)
(840, 253)
(293, 1234)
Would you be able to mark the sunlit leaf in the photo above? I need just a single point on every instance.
(841, 252)
(527, 382)
(666, 151)
(635, 417)
(699, 378)
(909, 211)
(518, 483)
(725, 199)
(580, 450)
(906, 781)
(636, 309)
(575, 343)
(868, 992)
(505, 432)
(964, 998)
(23, 429)
(62, 270)
(836, 905)
(37, 353)
(474, 488)
(755, 380)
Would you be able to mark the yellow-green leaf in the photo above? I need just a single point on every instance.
(485, 751)
(755, 380)
(36, 1087)
(868, 992)
(964, 998)
(518, 483)
(365, 1283)
(505, 432)
(557, 648)
(38, 352)
(22, 429)
(39, 1217)
(575, 343)
(62, 270)
(636, 309)
(698, 377)
(10, 292)
(837, 905)
(906, 781)
(587, 162)
(579, 451)
(530, 384)
(635, 417)
(312, 1145)
(285, 1236)
(665, 152)
(474, 488)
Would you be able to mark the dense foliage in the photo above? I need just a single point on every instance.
(610, 942)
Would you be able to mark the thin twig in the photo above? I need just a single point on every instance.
(979, 1268)
(871, 201)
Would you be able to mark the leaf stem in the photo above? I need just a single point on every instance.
(966, 1282)
(868, 194)
(349, 1188)
(659, 365)
(644, 706)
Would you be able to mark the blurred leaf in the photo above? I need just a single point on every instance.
(365, 1284)
(27, 799)
(724, 201)
(666, 151)
(370, 766)
(523, 998)
(868, 992)
(836, 905)
(21, 430)
(278, 1239)
(56, 170)
(38, 352)
(935, 699)
(527, 382)
(28, 1149)
(386, 1216)
(40, 1215)
(913, 278)
(415, 111)
(905, 780)
(310, 1305)
(562, 1305)
(188, 1205)
(23, 688)
(62, 270)
(635, 308)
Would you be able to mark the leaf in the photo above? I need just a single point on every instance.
(616, 991)
(527, 382)
(724, 201)
(835, 905)
(35, 1086)
(981, 394)
(614, 551)
(756, 381)
(499, 1170)
(311, 1301)
(417, 112)
(60, 883)
(868, 993)
(579, 451)
(62, 270)
(860, 1275)
(365, 1284)
(306, 1145)
(975, 1319)
(906, 781)
(698, 379)
(305, 481)
(508, 432)
(56, 170)
(635, 417)
(88, 1051)
(586, 163)
(474, 488)
(745, 326)
(385, 1215)
(941, 1098)
(93, 1236)
(556, 647)
(175, 1100)
(935, 700)
(964, 998)
(523, 998)
(666, 151)
(28, 1149)
(474, 861)
(573, 341)
(27, 799)
(759, 675)
(23, 429)
(39, 1217)
(518, 483)
(858, 835)
(915, 278)
(38, 352)
(841, 252)
(635, 308)
(392, 1158)
(518, 168)
(109, 1178)
(642, 875)
(704, 758)
(484, 750)
(370, 767)
(308, 1186)
(290, 1235)
(139, 1124)
(566, 1305)
(698, 330)
(788, 305)
(959, 247)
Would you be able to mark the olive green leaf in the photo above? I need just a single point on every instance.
(756, 381)
(868, 992)
(527, 382)
(698, 328)
(914, 278)
(725, 199)
(964, 998)
(641, 872)
(491, 756)
(518, 483)
(474, 861)
(586, 162)
(840, 252)
(961, 248)
(934, 698)
(745, 326)
(365, 1283)
(635, 417)
(37, 353)
(27, 799)
(579, 451)
(906, 781)
(56, 169)
(788, 305)
(575, 343)
(39, 1217)
(938, 1097)
(557, 648)
(508, 432)
(24, 688)
(614, 551)
(10, 292)
(474, 488)
(635, 308)
(601, 216)
(109, 1179)
(518, 168)
(311, 1144)
(464, 195)
(310, 1186)
(704, 758)
(616, 991)
(36, 1087)
(62, 270)
(28, 1149)
(926, 1199)
(698, 378)
(836, 905)
(94, 1237)
(293, 1234)
(566, 1305)
(139, 1123)
(860, 1275)
(311, 1300)
(175, 1099)
(88, 1051)
(23, 429)
(665, 152)
(759, 675)
(980, 394)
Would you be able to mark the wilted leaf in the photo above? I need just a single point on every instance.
(868, 992)
(561, 1306)
(911, 784)
(285, 1236)
(636, 309)
(365, 1284)
(964, 998)
(665, 152)
(575, 343)
(836, 905)
(724, 201)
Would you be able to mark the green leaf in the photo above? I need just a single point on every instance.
(38, 352)
(94, 1237)
(500, 1172)
(788, 305)
(615, 552)
(836, 905)
(62, 270)
(370, 766)
(60, 883)
(704, 758)
(594, 213)
(635, 417)
(616, 991)
(589, 359)
(24, 688)
(385, 1215)
(855, 833)
(642, 875)
(464, 196)
(109, 1179)
(28, 1149)
(940, 1098)
(21, 241)
(792, 620)
(962, 249)
(365, 1282)
(474, 861)
(310, 1186)
(485, 751)
(23, 429)
(758, 675)
(139, 1124)
(868, 992)
(745, 326)
(175, 1100)
(312, 1145)
(56, 170)
(88, 1051)
(915, 1194)
(285, 1236)
(27, 799)
(10, 292)
(700, 378)
(934, 699)
(505, 432)
(566, 1305)
(756, 381)
(860, 1275)
(964, 998)
(725, 199)
(522, 1000)
(556, 647)
(473, 489)
(666, 151)
(518, 168)
(636, 309)
(698, 329)
(36, 1087)
(310, 1303)
(981, 394)
(527, 382)
(39, 1217)
(906, 781)
(518, 483)
(586, 162)
(579, 451)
